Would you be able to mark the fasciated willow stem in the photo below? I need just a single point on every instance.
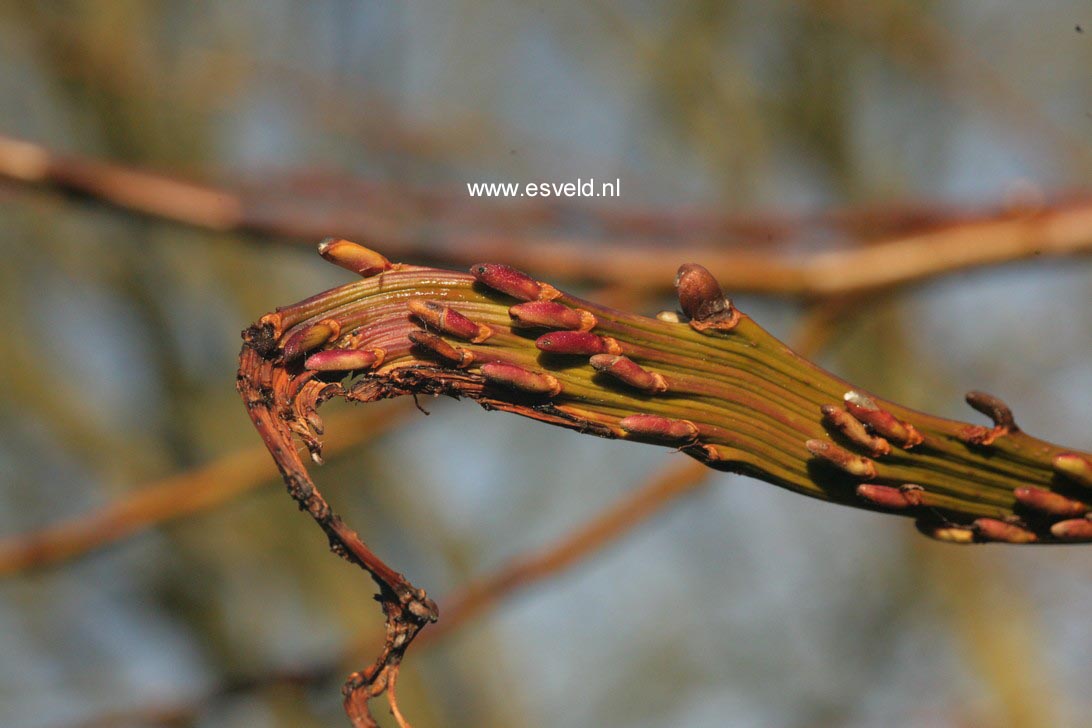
(708, 381)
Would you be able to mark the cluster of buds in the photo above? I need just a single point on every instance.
(704, 379)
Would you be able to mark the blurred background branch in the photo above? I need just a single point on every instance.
(940, 243)
(181, 495)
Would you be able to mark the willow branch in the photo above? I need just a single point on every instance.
(930, 248)
(708, 381)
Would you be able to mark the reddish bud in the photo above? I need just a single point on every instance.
(583, 343)
(886, 496)
(552, 315)
(659, 429)
(1050, 503)
(449, 321)
(1077, 529)
(629, 372)
(1077, 468)
(841, 458)
(518, 378)
(851, 428)
(343, 360)
(360, 260)
(512, 282)
(992, 529)
(432, 342)
(882, 422)
(310, 337)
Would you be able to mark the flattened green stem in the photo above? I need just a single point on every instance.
(716, 384)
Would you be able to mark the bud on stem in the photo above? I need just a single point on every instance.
(449, 321)
(659, 429)
(432, 342)
(855, 465)
(852, 429)
(310, 338)
(992, 529)
(702, 300)
(343, 360)
(520, 379)
(886, 496)
(1077, 529)
(576, 342)
(881, 421)
(1053, 504)
(350, 256)
(1075, 467)
(551, 315)
(512, 282)
(629, 372)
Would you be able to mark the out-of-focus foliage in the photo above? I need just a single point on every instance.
(743, 605)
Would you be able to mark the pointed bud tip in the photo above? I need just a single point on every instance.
(1048, 502)
(855, 465)
(880, 421)
(992, 529)
(1075, 467)
(886, 496)
(516, 377)
(310, 337)
(853, 430)
(1077, 529)
(447, 320)
(552, 315)
(629, 372)
(582, 343)
(343, 360)
(515, 283)
(454, 354)
(659, 429)
(351, 256)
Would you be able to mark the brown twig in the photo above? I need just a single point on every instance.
(283, 405)
(991, 238)
(174, 497)
(469, 602)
